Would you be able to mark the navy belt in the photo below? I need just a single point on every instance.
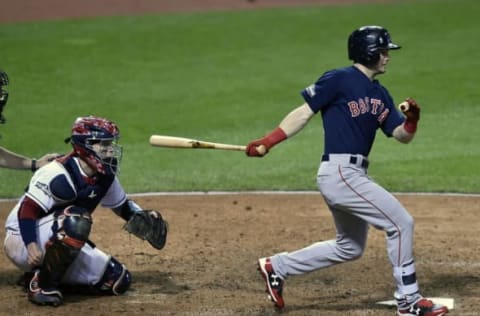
(353, 160)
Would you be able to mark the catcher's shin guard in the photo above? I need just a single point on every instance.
(116, 280)
(71, 230)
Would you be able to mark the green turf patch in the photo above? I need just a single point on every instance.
(231, 77)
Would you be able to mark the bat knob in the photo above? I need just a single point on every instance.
(262, 150)
(404, 106)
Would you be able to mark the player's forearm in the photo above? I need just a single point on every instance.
(296, 120)
(28, 214)
(289, 126)
(9, 159)
(127, 209)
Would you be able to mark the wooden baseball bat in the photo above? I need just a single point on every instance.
(182, 142)
(404, 106)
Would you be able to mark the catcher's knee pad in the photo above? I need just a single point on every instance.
(116, 280)
(73, 225)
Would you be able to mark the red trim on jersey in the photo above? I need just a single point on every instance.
(29, 209)
(64, 158)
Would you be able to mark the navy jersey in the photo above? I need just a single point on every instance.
(353, 107)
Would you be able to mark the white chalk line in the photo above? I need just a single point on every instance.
(213, 193)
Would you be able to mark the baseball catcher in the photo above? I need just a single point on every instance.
(47, 232)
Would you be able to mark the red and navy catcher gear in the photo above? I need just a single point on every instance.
(70, 232)
(89, 131)
(365, 44)
(116, 280)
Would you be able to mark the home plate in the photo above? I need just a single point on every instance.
(449, 302)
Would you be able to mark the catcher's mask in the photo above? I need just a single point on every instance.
(95, 140)
(3, 94)
(365, 44)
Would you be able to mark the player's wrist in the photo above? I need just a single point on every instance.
(33, 165)
(410, 125)
(276, 136)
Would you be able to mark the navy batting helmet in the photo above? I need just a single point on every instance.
(365, 43)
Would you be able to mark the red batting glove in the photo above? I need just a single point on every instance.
(413, 116)
(252, 151)
(268, 141)
(413, 112)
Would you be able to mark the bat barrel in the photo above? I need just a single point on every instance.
(182, 142)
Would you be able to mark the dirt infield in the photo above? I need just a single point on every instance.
(208, 265)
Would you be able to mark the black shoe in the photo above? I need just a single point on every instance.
(43, 296)
(24, 280)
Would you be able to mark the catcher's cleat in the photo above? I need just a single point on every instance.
(273, 282)
(24, 280)
(421, 307)
(39, 296)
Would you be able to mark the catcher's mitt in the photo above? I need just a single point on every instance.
(148, 225)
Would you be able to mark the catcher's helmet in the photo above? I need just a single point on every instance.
(365, 43)
(3, 94)
(94, 139)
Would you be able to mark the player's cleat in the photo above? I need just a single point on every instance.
(47, 296)
(421, 307)
(273, 282)
(24, 280)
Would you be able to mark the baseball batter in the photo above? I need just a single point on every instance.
(353, 106)
(47, 232)
(10, 159)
